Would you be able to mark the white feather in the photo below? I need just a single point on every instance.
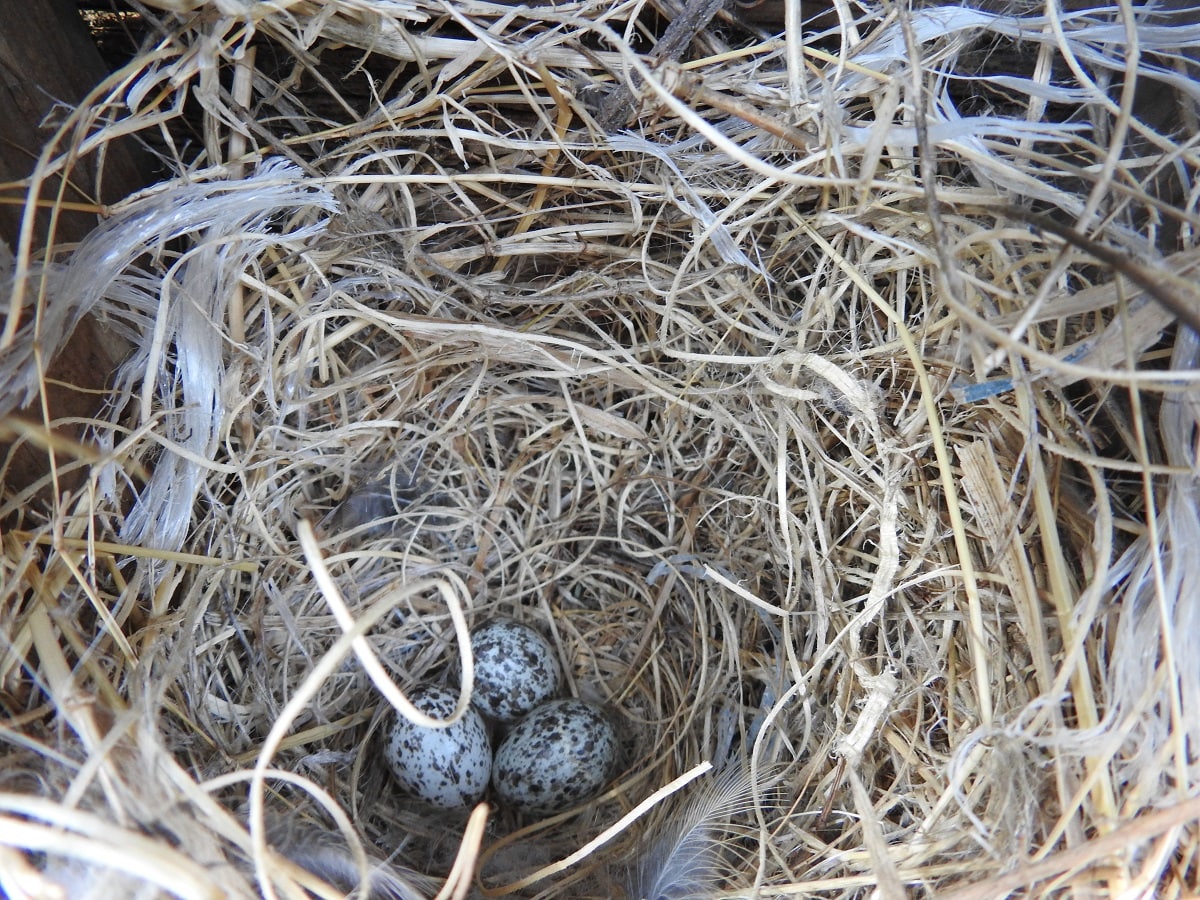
(336, 866)
(691, 859)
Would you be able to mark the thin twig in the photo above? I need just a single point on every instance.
(619, 104)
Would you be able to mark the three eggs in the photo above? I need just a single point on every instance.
(555, 754)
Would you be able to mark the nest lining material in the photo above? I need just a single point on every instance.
(877, 505)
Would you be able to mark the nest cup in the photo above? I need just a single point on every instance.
(825, 396)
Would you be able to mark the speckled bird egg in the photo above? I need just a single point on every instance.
(559, 755)
(447, 767)
(515, 669)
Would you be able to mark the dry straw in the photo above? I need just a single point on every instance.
(820, 456)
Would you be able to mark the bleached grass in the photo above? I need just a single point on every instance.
(815, 462)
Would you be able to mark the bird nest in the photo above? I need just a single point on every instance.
(825, 395)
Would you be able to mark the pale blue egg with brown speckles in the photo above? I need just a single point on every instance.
(515, 669)
(559, 755)
(446, 767)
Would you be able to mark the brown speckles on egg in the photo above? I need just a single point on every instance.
(447, 767)
(515, 669)
(560, 754)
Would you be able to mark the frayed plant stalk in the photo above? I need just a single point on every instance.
(1155, 638)
(228, 224)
